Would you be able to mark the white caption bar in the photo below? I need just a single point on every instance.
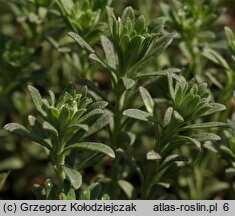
(117, 207)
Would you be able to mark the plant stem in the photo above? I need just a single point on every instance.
(117, 120)
(115, 141)
(59, 159)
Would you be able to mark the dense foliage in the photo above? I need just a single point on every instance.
(117, 99)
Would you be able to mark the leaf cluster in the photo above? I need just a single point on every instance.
(64, 125)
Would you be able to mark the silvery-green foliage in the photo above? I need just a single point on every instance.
(228, 66)
(131, 45)
(193, 21)
(83, 17)
(65, 124)
(190, 102)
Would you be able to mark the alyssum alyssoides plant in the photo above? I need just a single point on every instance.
(84, 17)
(132, 44)
(64, 125)
(181, 126)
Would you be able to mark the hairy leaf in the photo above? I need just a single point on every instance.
(98, 124)
(73, 176)
(147, 99)
(152, 155)
(83, 44)
(93, 146)
(137, 114)
(37, 99)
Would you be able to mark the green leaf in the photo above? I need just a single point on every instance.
(53, 115)
(109, 51)
(167, 116)
(98, 124)
(215, 57)
(127, 82)
(37, 127)
(171, 162)
(215, 107)
(178, 117)
(189, 104)
(93, 146)
(171, 86)
(138, 114)
(94, 57)
(159, 45)
(74, 127)
(140, 25)
(147, 99)
(206, 125)
(164, 184)
(131, 137)
(124, 42)
(131, 55)
(48, 127)
(98, 105)
(212, 147)
(158, 73)
(127, 187)
(152, 155)
(83, 44)
(228, 152)
(189, 139)
(111, 18)
(22, 131)
(37, 99)
(230, 39)
(202, 137)
(172, 159)
(67, 5)
(64, 117)
(157, 25)
(127, 14)
(52, 96)
(91, 114)
(73, 176)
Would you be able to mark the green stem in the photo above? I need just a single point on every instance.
(58, 159)
(146, 186)
(117, 122)
(59, 171)
(115, 141)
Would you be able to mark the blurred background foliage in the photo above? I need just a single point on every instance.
(36, 50)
